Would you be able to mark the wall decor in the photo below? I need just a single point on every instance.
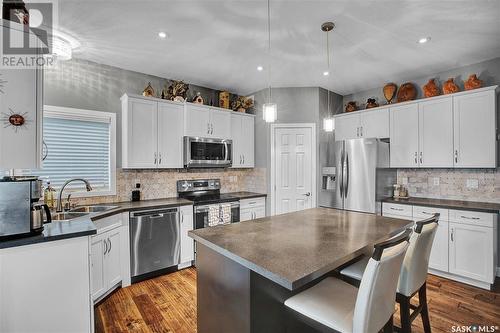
(390, 90)
(407, 92)
(177, 91)
(14, 119)
(242, 104)
(351, 106)
(148, 91)
(371, 103)
(473, 82)
(198, 99)
(431, 89)
(224, 99)
(449, 87)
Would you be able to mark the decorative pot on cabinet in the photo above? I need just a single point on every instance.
(431, 89)
(389, 91)
(407, 92)
(449, 87)
(473, 82)
(351, 106)
(371, 103)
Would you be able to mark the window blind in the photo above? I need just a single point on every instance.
(76, 149)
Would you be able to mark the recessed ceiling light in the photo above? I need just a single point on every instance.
(162, 34)
(326, 73)
(424, 40)
(260, 68)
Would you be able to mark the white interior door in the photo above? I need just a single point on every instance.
(294, 169)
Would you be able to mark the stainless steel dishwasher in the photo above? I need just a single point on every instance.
(154, 242)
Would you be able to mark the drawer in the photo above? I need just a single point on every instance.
(473, 218)
(422, 212)
(108, 223)
(252, 203)
(397, 209)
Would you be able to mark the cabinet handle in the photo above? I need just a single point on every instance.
(398, 209)
(159, 161)
(105, 247)
(456, 155)
(452, 234)
(416, 161)
(357, 132)
(361, 131)
(211, 128)
(243, 159)
(110, 247)
(427, 213)
(421, 157)
(469, 218)
(208, 128)
(182, 218)
(155, 158)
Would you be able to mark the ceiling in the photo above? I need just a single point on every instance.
(219, 44)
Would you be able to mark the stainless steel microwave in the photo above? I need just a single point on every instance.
(207, 152)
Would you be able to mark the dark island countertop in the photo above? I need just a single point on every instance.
(486, 207)
(296, 248)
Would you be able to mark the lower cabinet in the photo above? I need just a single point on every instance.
(106, 261)
(187, 243)
(251, 209)
(465, 245)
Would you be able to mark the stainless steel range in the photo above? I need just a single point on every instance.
(210, 207)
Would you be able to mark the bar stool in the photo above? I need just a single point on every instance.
(413, 276)
(334, 305)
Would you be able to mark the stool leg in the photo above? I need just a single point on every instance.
(389, 327)
(422, 299)
(404, 311)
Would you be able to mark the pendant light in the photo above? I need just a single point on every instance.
(329, 121)
(269, 109)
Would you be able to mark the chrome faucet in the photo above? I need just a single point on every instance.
(59, 207)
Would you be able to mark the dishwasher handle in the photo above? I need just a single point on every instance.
(154, 213)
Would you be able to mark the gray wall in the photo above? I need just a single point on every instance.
(88, 85)
(295, 105)
(488, 71)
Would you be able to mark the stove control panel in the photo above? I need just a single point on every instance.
(198, 185)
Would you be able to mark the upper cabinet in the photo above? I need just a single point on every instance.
(475, 130)
(21, 115)
(243, 135)
(151, 133)
(404, 136)
(207, 122)
(366, 124)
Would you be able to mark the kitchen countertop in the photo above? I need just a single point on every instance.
(296, 248)
(83, 226)
(486, 207)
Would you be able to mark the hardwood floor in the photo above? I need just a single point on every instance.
(168, 304)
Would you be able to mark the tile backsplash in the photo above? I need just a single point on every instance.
(455, 184)
(157, 184)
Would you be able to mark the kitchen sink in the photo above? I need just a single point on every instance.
(64, 216)
(92, 209)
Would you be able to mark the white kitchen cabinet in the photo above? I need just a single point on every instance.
(45, 287)
(475, 122)
(187, 243)
(243, 136)
(471, 252)
(170, 133)
(365, 124)
(435, 133)
(113, 258)
(21, 103)
(251, 209)
(206, 121)
(404, 136)
(151, 133)
(97, 266)
(439, 252)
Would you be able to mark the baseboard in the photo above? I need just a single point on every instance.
(472, 282)
(498, 271)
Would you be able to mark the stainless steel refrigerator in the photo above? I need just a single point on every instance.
(355, 175)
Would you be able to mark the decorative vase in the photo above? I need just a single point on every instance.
(390, 91)
(351, 106)
(407, 92)
(224, 99)
(449, 87)
(473, 82)
(371, 103)
(431, 89)
(198, 99)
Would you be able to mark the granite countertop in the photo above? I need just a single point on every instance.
(486, 207)
(83, 226)
(296, 248)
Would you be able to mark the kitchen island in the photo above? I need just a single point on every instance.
(246, 270)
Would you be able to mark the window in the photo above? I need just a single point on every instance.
(79, 144)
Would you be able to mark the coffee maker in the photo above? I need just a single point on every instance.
(20, 212)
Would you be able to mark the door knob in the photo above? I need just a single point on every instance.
(308, 194)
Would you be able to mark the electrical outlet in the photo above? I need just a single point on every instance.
(435, 181)
(472, 183)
